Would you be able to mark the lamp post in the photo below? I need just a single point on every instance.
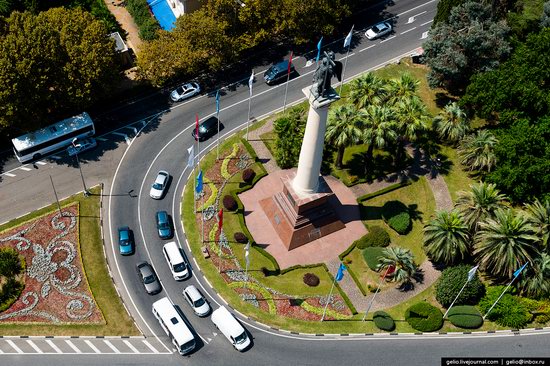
(86, 193)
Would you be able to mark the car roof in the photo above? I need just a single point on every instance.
(173, 250)
(145, 269)
(161, 177)
(210, 122)
(283, 65)
(162, 215)
(193, 293)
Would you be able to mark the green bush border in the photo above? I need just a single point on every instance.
(382, 191)
(350, 270)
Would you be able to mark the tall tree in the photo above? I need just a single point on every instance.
(52, 64)
(446, 238)
(366, 90)
(379, 130)
(471, 41)
(505, 243)
(452, 123)
(402, 88)
(412, 121)
(539, 216)
(343, 129)
(535, 283)
(480, 203)
(477, 151)
(402, 261)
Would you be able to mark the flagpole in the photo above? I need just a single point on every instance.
(502, 294)
(248, 119)
(328, 299)
(346, 62)
(376, 293)
(462, 289)
(287, 80)
(218, 118)
(202, 217)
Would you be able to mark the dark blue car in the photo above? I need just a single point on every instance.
(164, 228)
(125, 241)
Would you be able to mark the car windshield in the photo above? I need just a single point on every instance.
(375, 29)
(202, 129)
(241, 338)
(157, 186)
(271, 72)
(163, 225)
(199, 302)
(179, 267)
(149, 279)
(180, 90)
(124, 242)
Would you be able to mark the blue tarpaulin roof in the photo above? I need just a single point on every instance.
(163, 13)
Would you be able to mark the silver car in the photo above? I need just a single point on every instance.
(81, 146)
(378, 30)
(196, 301)
(148, 278)
(185, 91)
(158, 188)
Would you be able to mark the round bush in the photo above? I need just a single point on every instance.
(424, 317)
(248, 175)
(11, 263)
(376, 237)
(451, 281)
(10, 292)
(240, 238)
(465, 316)
(371, 255)
(508, 312)
(311, 280)
(383, 321)
(229, 203)
(396, 215)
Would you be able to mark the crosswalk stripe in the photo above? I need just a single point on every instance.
(92, 346)
(150, 347)
(111, 346)
(130, 346)
(56, 349)
(14, 346)
(9, 174)
(41, 163)
(71, 344)
(25, 168)
(101, 139)
(34, 346)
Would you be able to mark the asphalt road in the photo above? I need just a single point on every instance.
(127, 165)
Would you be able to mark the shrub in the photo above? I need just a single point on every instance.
(147, 24)
(311, 280)
(376, 237)
(383, 321)
(10, 262)
(248, 175)
(465, 316)
(229, 203)
(451, 281)
(240, 238)
(10, 293)
(371, 255)
(508, 312)
(396, 215)
(424, 317)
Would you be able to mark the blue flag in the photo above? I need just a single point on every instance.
(319, 49)
(198, 187)
(518, 271)
(340, 273)
(218, 102)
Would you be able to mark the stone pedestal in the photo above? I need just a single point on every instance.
(299, 219)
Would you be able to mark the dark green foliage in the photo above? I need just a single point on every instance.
(424, 317)
(390, 188)
(147, 24)
(508, 312)
(376, 237)
(451, 281)
(10, 262)
(465, 316)
(383, 321)
(289, 130)
(371, 255)
(240, 237)
(10, 293)
(311, 280)
(229, 203)
(248, 175)
(444, 10)
(396, 215)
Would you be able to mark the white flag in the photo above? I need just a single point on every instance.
(347, 41)
(472, 273)
(247, 253)
(250, 81)
(191, 159)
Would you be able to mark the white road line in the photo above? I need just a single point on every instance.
(14, 346)
(9, 175)
(34, 346)
(1, 351)
(101, 139)
(423, 24)
(25, 168)
(94, 348)
(364, 49)
(149, 346)
(387, 39)
(56, 349)
(111, 346)
(424, 35)
(130, 345)
(407, 31)
(71, 344)
(41, 163)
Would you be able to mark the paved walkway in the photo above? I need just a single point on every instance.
(422, 166)
(118, 9)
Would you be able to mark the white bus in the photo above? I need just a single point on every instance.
(174, 326)
(37, 144)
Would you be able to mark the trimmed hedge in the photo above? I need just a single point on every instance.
(248, 175)
(11, 290)
(229, 203)
(465, 316)
(11, 263)
(383, 321)
(393, 187)
(376, 237)
(396, 215)
(311, 280)
(147, 24)
(240, 237)
(424, 317)
(451, 281)
(371, 255)
(508, 312)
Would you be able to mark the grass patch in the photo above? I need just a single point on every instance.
(118, 322)
(456, 178)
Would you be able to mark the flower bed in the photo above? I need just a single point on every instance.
(56, 289)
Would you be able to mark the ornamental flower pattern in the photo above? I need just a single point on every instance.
(56, 291)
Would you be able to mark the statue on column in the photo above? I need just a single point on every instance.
(322, 76)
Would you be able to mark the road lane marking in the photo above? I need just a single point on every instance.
(14, 346)
(25, 168)
(134, 349)
(364, 49)
(71, 344)
(423, 24)
(424, 35)
(94, 348)
(150, 346)
(9, 175)
(41, 163)
(101, 139)
(387, 39)
(111, 346)
(408, 30)
(34, 346)
(56, 349)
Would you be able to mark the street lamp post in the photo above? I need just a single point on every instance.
(86, 193)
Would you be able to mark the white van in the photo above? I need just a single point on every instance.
(231, 328)
(176, 261)
(174, 325)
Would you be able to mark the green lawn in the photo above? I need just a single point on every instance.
(118, 322)
(456, 178)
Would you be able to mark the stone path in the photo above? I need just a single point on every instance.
(118, 9)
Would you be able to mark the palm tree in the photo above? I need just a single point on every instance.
(477, 151)
(402, 262)
(452, 123)
(403, 88)
(479, 203)
(342, 129)
(536, 281)
(367, 90)
(379, 129)
(412, 121)
(538, 215)
(446, 238)
(505, 243)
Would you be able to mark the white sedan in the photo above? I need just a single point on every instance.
(81, 146)
(158, 188)
(378, 30)
(196, 300)
(185, 91)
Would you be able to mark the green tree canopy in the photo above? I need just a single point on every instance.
(52, 64)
